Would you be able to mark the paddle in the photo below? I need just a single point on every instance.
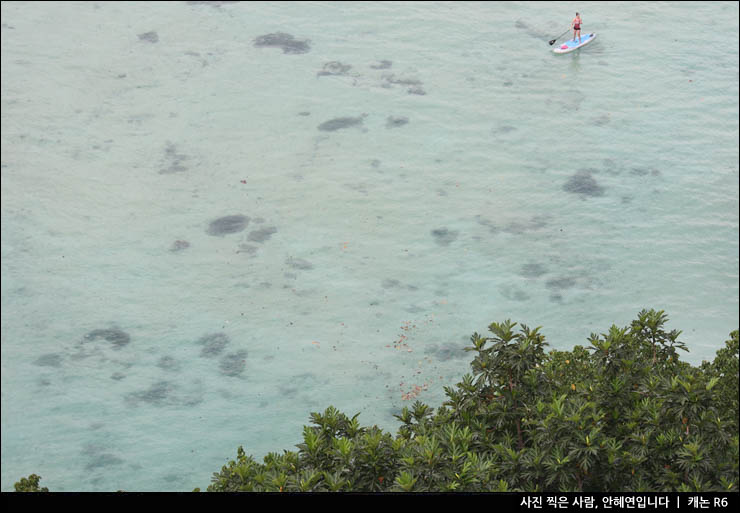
(561, 35)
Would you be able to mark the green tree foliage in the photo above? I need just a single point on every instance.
(30, 484)
(623, 414)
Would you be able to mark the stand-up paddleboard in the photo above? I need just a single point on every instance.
(572, 44)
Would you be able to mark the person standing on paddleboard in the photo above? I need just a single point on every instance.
(577, 27)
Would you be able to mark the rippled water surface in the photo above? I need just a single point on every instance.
(218, 217)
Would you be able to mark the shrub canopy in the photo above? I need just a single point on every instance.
(623, 414)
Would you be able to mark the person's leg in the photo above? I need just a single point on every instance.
(579, 36)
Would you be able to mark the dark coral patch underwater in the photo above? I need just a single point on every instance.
(334, 68)
(384, 64)
(262, 234)
(339, 123)
(227, 224)
(584, 184)
(287, 42)
(299, 263)
(233, 364)
(157, 394)
(150, 37)
(179, 245)
(115, 336)
(213, 344)
(394, 122)
(443, 236)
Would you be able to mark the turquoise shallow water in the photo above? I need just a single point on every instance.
(476, 177)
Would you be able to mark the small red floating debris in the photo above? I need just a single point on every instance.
(243, 181)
